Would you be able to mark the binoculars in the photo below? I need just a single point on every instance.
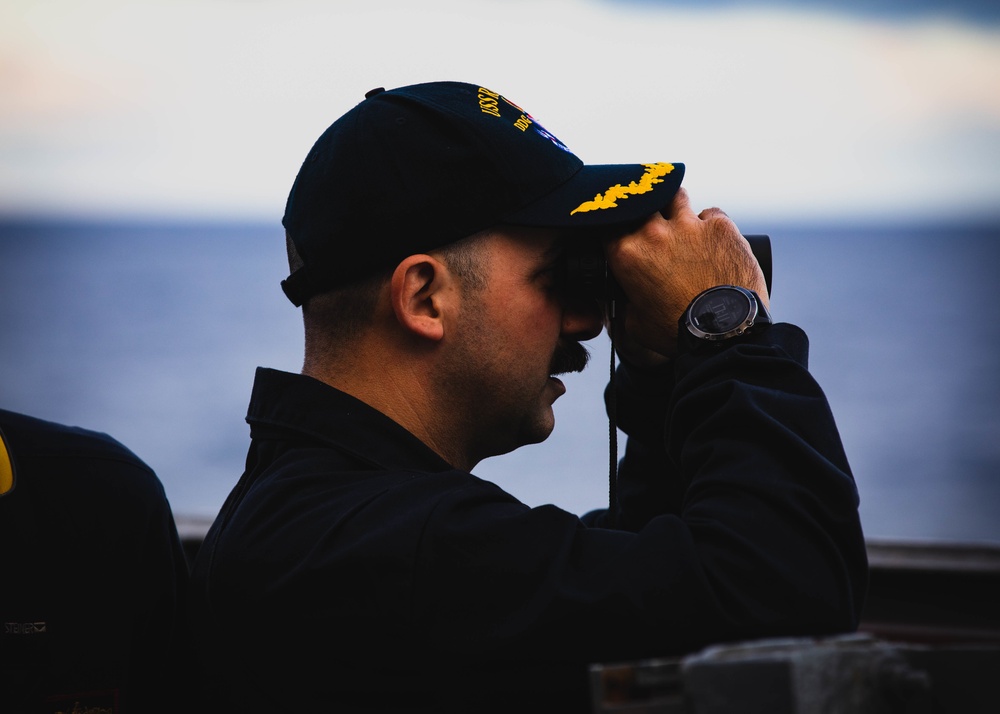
(587, 272)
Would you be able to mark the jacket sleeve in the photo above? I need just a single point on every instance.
(741, 445)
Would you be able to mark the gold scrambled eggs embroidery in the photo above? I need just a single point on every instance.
(609, 199)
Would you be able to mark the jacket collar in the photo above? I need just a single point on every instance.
(292, 406)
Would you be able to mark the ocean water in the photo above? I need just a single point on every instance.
(151, 332)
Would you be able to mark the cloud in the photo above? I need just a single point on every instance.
(209, 107)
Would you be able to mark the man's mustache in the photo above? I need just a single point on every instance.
(569, 357)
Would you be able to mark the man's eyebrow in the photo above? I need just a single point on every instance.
(557, 249)
(550, 259)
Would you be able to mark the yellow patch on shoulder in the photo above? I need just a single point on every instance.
(6, 468)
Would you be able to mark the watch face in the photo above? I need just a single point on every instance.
(720, 311)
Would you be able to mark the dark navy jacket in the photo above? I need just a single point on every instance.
(352, 567)
(94, 575)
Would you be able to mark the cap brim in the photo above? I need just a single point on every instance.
(604, 195)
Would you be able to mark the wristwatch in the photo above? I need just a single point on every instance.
(723, 313)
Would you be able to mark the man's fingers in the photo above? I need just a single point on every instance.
(712, 213)
(681, 208)
(680, 205)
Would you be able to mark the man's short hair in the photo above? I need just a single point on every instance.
(340, 316)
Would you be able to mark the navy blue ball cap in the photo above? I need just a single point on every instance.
(416, 168)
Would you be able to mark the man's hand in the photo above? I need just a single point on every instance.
(663, 265)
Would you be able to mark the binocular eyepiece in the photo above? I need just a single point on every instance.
(587, 272)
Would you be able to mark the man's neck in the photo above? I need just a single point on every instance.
(399, 389)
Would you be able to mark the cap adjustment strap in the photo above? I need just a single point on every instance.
(296, 287)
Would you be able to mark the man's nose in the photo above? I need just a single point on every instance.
(583, 319)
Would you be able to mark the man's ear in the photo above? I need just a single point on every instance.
(422, 291)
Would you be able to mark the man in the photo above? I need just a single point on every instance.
(359, 565)
(94, 574)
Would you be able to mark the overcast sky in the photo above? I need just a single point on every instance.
(207, 108)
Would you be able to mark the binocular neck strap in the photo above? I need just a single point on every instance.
(612, 405)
